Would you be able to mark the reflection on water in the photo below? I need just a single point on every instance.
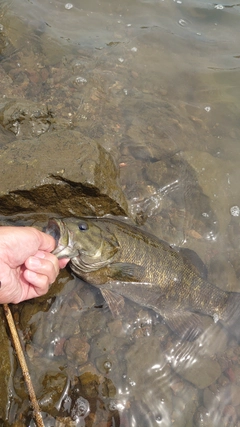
(157, 84)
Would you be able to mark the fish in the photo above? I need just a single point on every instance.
(124, 261)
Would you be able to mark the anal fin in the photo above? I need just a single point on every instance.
(114, 301)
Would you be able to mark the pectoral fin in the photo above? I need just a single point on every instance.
(114, 301)
(126, 271)
(187, 325)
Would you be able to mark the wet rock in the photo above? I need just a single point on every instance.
(18, 423)
(209, 398)
(233, 373)
(108, 388)
(4, 42)
(53, 388)
(80, 409)
(87, 368)
(49, 323)
(216, 177)
(223, 380)
(196, 361)
(148, 375)
(77, 350)
(88, 399)
(89, 384)
(175, 178)
(213, 340)
(28, 310)
(116, 328)
(221, 404)
(24, 118)
(234, 231)
(65, 422)
(222, 272)
(202, 418)
(93, 321)
(7, 48)
(234, 394)
(184, 408)
(63, 172)
(104, 344)
(201, 373)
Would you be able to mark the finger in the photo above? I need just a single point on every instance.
(44, 263)
(58, 263)
(46, 242)
(63, 262)
(39, 284)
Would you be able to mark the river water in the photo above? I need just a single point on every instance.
(157, 83)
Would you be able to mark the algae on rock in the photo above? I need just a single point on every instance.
(60, 172)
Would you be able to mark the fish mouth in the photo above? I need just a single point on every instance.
(53, 229)
(64, 242)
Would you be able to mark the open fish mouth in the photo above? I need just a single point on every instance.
(64, 243)
(53, 230)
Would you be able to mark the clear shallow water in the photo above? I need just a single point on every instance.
(157, 83)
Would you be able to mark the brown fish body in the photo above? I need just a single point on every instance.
(124, 261)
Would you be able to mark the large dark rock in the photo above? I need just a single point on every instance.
(60, 172)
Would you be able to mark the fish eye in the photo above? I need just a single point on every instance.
(83, 226)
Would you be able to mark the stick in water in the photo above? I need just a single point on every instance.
(36, 410)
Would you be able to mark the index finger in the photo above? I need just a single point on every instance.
(46, 242)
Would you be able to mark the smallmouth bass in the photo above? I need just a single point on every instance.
(125, 261)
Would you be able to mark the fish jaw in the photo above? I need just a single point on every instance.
(63, 237)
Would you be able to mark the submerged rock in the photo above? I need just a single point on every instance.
(189, 205)
(76, 350)
(24, 118)
(188, 361)
(219, 180)
(202, 373)
(148, 378)
(60, 172)
(5, 370)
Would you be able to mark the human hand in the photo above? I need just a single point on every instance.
(27, 267)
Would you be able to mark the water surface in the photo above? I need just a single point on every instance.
(157, 84)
